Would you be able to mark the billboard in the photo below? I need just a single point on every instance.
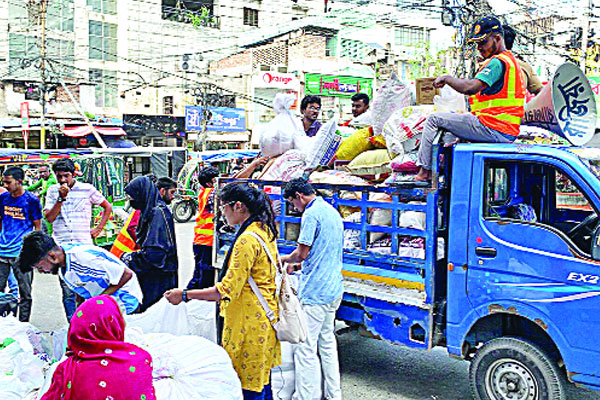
(337, 86)
(220, 119)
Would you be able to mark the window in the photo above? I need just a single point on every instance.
(355, 49)
(22, 47)
(103, 41)
(103, 6)
(60, 15)
(105, 87)
(539, 194)
(410, 36)
(250, 17)
(168, 105)
(331, 47)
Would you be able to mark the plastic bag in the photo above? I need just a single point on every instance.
(284, 132)
(324, 146)
(406, 163)
(390, 97)
(449, 100)
(193, 318)
(355, 144)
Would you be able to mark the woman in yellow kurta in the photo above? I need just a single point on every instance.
(248, 336)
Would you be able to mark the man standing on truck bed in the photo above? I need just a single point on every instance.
(320, 249)
(497, 97)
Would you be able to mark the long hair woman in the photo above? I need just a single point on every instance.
(248, 336)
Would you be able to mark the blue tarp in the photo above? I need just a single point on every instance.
(223, 155)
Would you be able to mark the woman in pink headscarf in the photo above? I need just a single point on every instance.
(101, 366)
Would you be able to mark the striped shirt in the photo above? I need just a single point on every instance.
(72, 225)
(90, 270)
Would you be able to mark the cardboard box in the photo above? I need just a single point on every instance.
(426, 91)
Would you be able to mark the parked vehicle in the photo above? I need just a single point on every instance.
(491, 261)
(185, 205)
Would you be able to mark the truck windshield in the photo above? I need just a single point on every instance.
(591, 157)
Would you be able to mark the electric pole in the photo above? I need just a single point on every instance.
(585, 27)
(43, 7)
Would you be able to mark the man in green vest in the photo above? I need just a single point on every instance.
(496, 96)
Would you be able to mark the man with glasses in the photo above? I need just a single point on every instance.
(497, 97)
(310, 108)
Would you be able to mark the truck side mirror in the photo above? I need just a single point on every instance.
(596, 244)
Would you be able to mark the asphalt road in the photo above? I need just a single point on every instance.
(371, 369)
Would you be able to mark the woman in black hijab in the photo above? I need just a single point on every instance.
(155, 264)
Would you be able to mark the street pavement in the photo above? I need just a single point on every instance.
(371, 369)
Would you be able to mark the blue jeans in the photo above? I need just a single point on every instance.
(266, 394)
(68, 298)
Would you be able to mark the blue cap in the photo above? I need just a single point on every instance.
(484, 27)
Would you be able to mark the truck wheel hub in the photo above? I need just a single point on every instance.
(508, 379)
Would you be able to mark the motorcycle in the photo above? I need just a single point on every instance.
(185, 205)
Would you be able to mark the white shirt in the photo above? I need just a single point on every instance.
(72, 225)
(91, 269)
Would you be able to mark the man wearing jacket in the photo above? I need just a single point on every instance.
(497, 98)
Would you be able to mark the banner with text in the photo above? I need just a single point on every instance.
(337, 86)
(220, 119)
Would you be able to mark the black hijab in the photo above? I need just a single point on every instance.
(144, 197)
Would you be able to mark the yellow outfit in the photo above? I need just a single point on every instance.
(248, 336)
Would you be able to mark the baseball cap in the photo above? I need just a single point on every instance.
(484, 27)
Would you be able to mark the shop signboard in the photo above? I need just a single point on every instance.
(221, 119)
(595, 83)
(337, 86)
(276, 80)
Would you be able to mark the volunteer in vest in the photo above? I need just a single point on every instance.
(204, 273)
(497, 97)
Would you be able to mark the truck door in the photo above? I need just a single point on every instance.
(529, 245)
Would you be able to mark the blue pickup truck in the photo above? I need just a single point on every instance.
(504, 272)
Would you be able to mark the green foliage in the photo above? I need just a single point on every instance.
(425, 64)
(202, 18)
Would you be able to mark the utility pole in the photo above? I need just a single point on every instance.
(43, 8)
(585, 27)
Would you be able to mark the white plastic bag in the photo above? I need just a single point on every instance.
(324, 146)
(449, 100)
(390, 97)
(284, 131)
(193, 318)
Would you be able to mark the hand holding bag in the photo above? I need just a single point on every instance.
(291, 326)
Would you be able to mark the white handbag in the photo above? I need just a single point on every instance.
(291, 326)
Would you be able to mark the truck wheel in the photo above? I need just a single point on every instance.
(514, 369)
(183, 211)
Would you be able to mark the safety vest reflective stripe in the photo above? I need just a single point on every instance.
(503, 111)
(204, 229)
(124, 243)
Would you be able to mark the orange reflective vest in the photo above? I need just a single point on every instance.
(203, 231)
(504, 110)
(124, 243)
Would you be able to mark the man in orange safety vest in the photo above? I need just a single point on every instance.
(497, 97)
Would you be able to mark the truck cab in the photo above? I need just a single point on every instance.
(524, 261)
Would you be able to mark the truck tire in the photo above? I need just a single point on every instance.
(183, 211)
(514, 369)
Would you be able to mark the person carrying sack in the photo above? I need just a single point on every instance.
(248, 336)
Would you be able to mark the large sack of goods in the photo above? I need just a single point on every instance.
(373, 165)
(286, 167)
(324, 145)
(355, 144)
(333, 177)
(392, 96)
(405, 124)
(284, 131)
(449, 100)
(189, 368)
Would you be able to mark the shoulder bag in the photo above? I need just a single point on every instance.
(291, 326)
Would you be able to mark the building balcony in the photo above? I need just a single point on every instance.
(200, 18)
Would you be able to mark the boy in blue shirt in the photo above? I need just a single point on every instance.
(20, 213)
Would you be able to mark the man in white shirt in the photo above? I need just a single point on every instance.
(88, 270)
(68, 208)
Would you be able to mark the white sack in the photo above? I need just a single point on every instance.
(284, 131)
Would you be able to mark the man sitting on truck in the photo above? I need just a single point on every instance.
(497, 98)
